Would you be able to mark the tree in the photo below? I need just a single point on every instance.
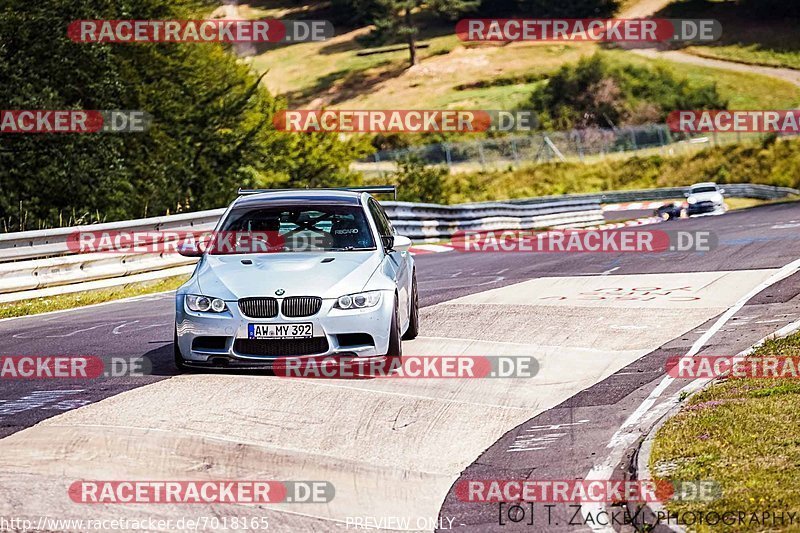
(359, 12)
(395, 19)
(211, 132)
(569, 8)
(600, 92)
(418, 182)
(771, 9)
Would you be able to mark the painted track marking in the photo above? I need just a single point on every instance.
(627, 434)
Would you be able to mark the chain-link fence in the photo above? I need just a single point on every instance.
(587, 145)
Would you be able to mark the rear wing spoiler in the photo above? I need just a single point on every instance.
(376, 189)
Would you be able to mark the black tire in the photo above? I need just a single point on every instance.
(180, 364)
(413, 322)
(395, 342)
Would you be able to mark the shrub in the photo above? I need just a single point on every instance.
(597, 92)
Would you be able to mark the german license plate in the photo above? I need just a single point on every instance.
(280, 331)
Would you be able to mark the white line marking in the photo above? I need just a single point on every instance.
(116, 330)
(552, 427)
(75, 332)
(627, 435)
(36, 334)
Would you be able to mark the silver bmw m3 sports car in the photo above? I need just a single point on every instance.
(298, 273)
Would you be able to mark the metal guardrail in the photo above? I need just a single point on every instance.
(434, 221)
(49, 242)
(732, 190)
(41, 263)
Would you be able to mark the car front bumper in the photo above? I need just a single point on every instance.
(336, 332)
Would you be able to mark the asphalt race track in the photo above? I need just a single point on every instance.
(600, 325)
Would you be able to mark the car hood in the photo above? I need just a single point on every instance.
(327, 275)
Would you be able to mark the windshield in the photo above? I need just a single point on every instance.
(297, 229)
(698, 190)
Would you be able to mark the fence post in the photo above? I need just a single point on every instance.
(514, 150)
(480, 152)
(447, 154)
(578, 144)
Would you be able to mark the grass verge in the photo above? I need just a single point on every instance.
(745, 435)
(742, 90)
(79, 299)
(773, 41)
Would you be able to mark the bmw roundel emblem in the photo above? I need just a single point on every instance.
(280, 292)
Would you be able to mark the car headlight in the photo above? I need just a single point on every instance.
(692, 200)
(359, 300)
(205, 304)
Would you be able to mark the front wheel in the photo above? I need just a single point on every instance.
(413, 321)
(395, 343)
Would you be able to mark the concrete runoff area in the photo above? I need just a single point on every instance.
(391, 447)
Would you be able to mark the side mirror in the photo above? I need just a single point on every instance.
(190, 250)
(686, 195)
(402, 243)
(722, 191)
